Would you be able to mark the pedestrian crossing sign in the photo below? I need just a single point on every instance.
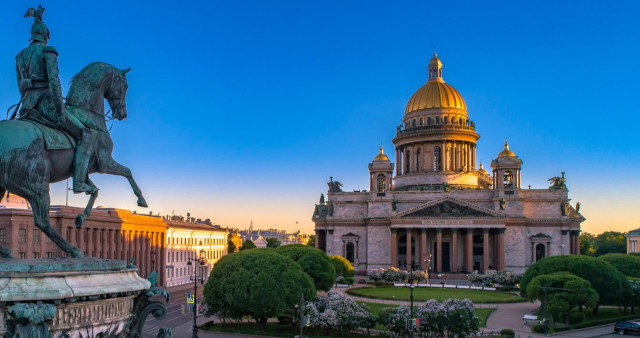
(190, 299)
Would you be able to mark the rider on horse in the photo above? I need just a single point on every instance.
(42, 101)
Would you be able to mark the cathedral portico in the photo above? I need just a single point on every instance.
(438, 209)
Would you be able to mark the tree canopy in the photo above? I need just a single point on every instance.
(343, 266)
(610, 242)
(248, 244)
(587, 244)
(609, 283)
(629, 265)
(272, 242)
(312, 241)
(314, 262)
(258, 283)
(577, 293)
(231, 247)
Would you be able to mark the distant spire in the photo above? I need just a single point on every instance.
(506, 144)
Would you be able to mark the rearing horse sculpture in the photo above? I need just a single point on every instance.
(27, 167)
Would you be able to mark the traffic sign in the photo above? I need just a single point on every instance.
(190, 299)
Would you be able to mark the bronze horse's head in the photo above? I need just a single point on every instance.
(116, 94)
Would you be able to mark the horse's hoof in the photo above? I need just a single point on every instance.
(142, 202)
(80, 220)
(76, 253)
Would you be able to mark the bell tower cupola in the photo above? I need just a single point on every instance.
(380, 173)
(506, 169)
(435, 69)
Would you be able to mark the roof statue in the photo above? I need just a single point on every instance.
(334, 186)
(51, 140)
(558, 183)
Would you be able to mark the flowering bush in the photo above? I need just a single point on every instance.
(451, 318)
(339, 311)
(492, 277)
(396, 275)
(376, 274)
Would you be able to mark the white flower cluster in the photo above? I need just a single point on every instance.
(451, 318)
(493, 277)
(396, 275)
(339, 311)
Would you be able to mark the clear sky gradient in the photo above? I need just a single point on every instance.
(242, 110)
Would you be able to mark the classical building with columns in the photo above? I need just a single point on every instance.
(441, 211)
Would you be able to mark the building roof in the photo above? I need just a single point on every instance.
(635, 232)
(506, 152)
(381, 156)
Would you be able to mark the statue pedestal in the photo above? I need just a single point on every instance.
(90, 295)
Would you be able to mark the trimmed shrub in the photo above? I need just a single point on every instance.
(507, 333)
(314, 263)
(627, 264)
(343, 266)
(538, 328)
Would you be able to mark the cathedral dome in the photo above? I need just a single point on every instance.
(435, 93)
(381, 156)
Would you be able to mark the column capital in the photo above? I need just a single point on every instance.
(454, 230)
(439, 230)
(423, 230)
(393, 230)
(468, 230)
(500, 230)
(485, 230)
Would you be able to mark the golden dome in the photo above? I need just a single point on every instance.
(506, 152)
(435, 93)
(381, 156)
(481, 170)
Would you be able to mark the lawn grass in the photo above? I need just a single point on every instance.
(439, 294)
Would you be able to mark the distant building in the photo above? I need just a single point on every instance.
(117, 234)
(236, 239)
(633, 237)
(14, 202)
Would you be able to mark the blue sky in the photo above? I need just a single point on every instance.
(242, 110)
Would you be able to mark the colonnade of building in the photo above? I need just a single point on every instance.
(436, 156)
(492, 247)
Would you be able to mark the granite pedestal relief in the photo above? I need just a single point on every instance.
(47, 140)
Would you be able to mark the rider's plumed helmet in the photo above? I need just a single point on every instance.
(39, 31)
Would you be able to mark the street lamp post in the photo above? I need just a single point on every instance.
(199, 262)
(413, 266)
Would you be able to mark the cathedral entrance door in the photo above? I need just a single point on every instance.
(446, 255)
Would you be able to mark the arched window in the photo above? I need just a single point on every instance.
(437, 158)
(382, 182)
(418, 160)
(421, 121)
(408, 160)
(437, 119)
(540, 251)
(507, 179)
(446, 119)
(429, 121)
(350, 252)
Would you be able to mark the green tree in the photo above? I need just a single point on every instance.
(248, 244)
(256, 283)
(610, 284)
(587, 244)
(231, 247)
(312, 241)
(561, 302)
(629, 265)
(272, 242)
(610, 242)
(342, 265)
(314, 262)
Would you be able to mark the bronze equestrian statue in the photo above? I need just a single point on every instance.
(37, 148)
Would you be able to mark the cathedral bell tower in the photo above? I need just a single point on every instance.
(506, 169)
(380, 173)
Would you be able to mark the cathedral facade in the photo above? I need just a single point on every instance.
(440, 211)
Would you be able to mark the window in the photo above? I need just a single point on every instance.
(3, 235)
(508, 179)
(350, 252)
(540, 251)
(437, 119)
(49, 254)
(22, 235)
(429, 120)
(21, 255)
(36, 255)
(381, 183)
(413, 123)
(418, 160)
(36, 236)
(408, 158)
(446, 119)
(437, 158)
(421, 121)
